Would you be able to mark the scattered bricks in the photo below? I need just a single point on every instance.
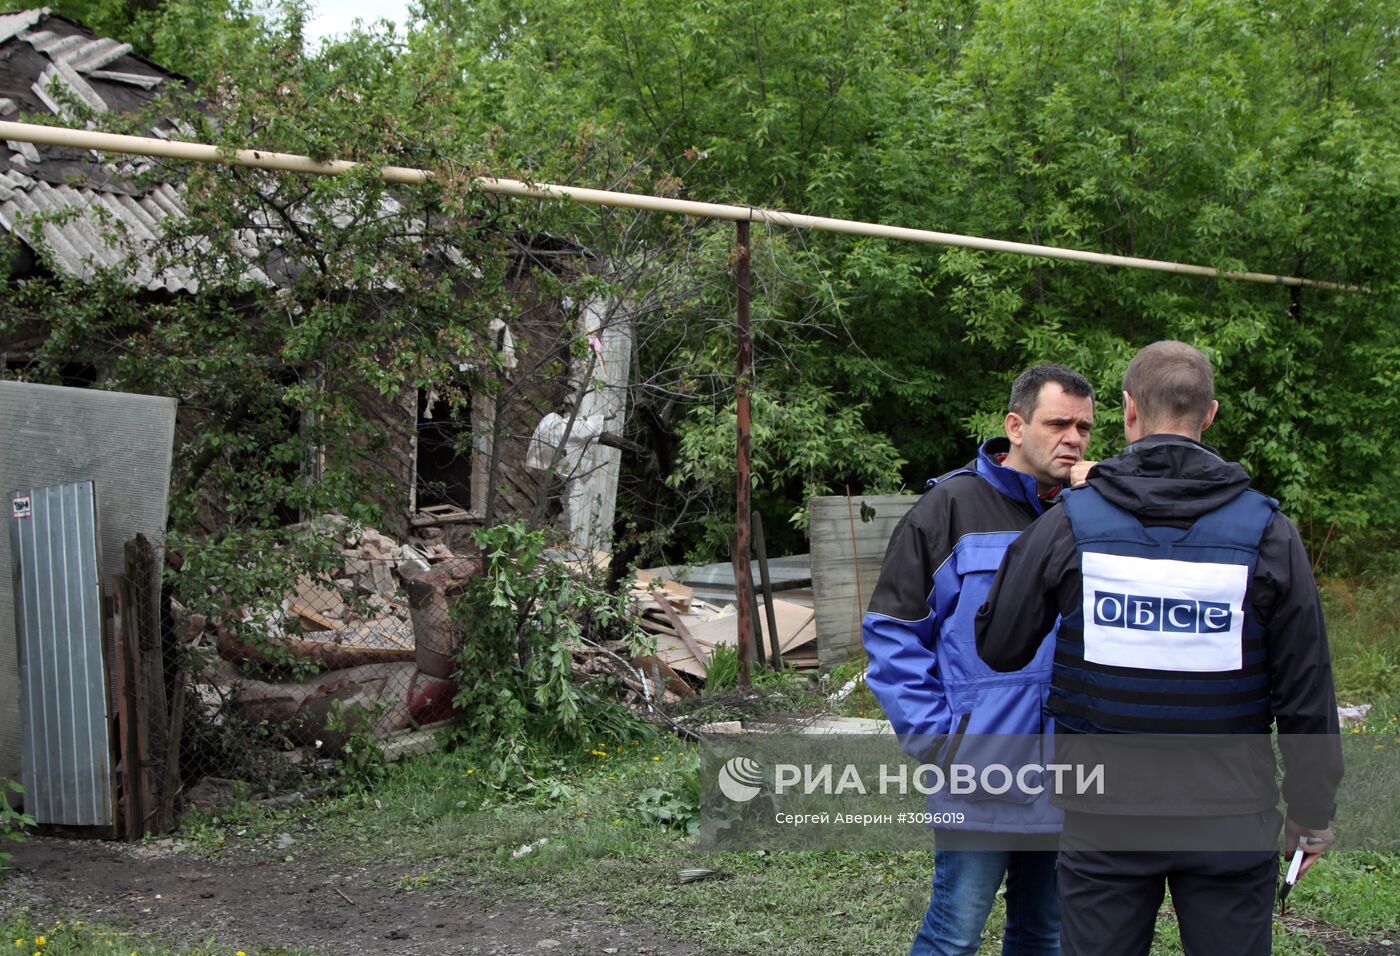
(430, 596)
(377, 546)
(371, 577)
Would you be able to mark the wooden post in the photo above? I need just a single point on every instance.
(761, 546)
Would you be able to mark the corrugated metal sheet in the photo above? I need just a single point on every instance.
(62, 677)
(53, 436)
(107, 227)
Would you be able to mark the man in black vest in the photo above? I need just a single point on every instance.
(1189, 623)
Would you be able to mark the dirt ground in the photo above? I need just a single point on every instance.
(246, 901)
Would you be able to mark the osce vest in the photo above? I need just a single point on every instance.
(1163, 640)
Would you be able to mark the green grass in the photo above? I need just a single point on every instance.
(1363, 623)
(600, 850)
(600, 853)
(595, 845)
(75, 938)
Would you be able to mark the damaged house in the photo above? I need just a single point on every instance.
(449, 467)
(518, 434)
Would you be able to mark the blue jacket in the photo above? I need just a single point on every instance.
(919, 637)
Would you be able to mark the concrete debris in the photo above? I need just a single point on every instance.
(847, 689)
(525, 849)
(818, 726)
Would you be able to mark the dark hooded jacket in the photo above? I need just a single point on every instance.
(1169, 479)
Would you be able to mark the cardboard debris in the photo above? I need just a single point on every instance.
(688, 631)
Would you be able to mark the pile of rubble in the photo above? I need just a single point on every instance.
(377, 638)
(375, 633)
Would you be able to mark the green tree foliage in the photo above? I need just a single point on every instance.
(283, 381)
(1230, 133)
(12, 821)
(197, 38)
(1226, 132)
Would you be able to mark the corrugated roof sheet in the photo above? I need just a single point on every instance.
(12, 23)
(87, 230)
(82, 206)
(87, 208)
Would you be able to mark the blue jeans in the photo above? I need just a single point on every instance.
(965, 884)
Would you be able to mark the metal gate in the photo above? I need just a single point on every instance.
(66, 746)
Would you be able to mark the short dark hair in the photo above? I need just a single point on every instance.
(1172, 384)
(1025, 393)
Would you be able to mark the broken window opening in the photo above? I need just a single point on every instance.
(445, 456)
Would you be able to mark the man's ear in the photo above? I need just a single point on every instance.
(1015, 427)
(1210, 415)
(1130, 417)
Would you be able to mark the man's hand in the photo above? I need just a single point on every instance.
(1314, 842)
(1079, 472)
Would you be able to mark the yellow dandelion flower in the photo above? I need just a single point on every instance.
(41, 941)
(657, 758)
(241, 953)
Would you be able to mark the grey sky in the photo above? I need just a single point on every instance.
(337, 16)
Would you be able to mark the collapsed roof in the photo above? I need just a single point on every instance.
(48, 63)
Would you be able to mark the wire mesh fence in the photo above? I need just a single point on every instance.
(353, 661)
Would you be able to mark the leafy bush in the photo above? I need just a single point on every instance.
(674, 808)
(12, 822)
(525, 615)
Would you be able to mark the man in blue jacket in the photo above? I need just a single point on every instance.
(925, 671)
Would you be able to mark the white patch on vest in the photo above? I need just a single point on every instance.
(1163, 615)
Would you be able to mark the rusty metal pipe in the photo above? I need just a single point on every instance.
(743, 576)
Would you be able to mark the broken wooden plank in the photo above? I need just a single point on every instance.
(313, 620)
(434, 515)
(683, 633)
